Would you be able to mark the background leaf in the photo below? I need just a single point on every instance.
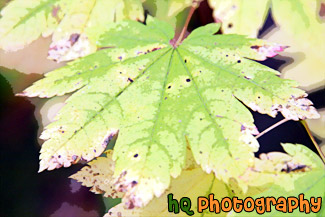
(303, 32)
(75, 25)
(194, 183)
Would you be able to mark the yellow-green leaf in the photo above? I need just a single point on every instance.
(76, 25)
(193, 183)
(159, 98)
(98, 175)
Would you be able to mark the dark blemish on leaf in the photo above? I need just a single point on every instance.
(59, 156)
(188, 80)
(95, 150)
(242, 128)
(107, 140)
(255, 47)
(259, 97)
(75, 132)
(79, 73)
(134, 183)
(74, 157)
(238, 61)
(96, 174)
(230, 25)
(222, 90)
(201, 119)
(156, 48)
(136, 155)
(294, 168)
(120, 72)
(99, 190)
(247, 78)
(227, 55)
(185, 61)
(165, 98)
(74, 38)
(120, 57)
(169, 87)
(52, 156)
(200, 152)
(84, 177)
(55, 11)
(130, 80)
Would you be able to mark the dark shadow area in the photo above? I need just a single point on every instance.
(24, 191)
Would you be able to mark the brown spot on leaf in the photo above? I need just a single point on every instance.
(131, 205)
(134, 183)
(74, 157)
(99, 190)
(255, 47)
(74, 38)
(55, 11)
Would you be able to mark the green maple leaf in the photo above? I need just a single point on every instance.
(75, 25)
(159, 98)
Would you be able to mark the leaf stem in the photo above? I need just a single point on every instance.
(271, 128)
(195, 4)
(321, 154)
